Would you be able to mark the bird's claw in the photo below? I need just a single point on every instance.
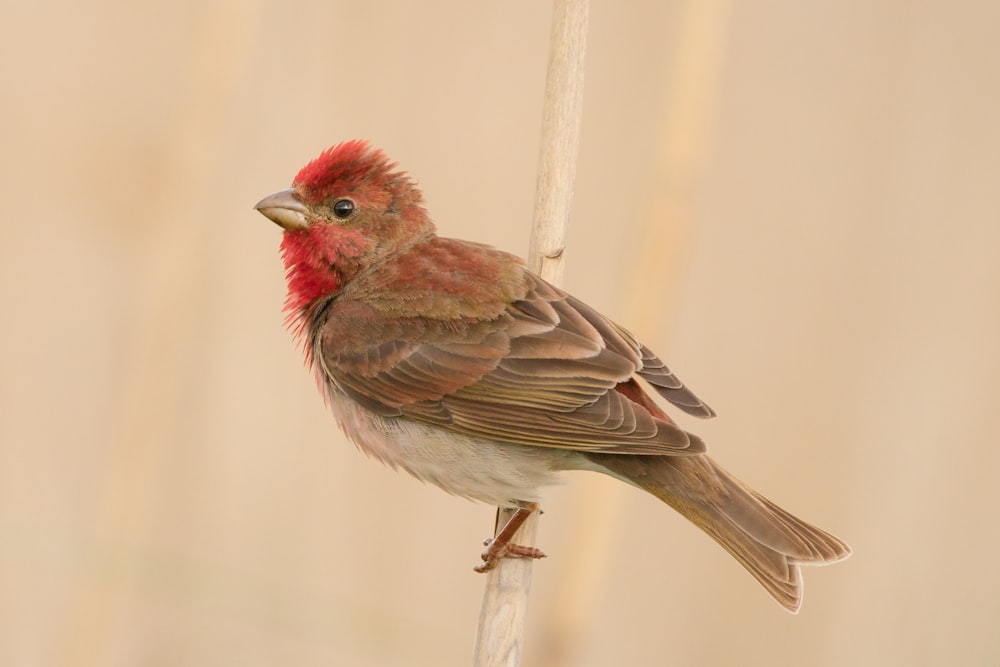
(495, 551)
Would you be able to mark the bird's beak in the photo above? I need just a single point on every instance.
(284, 208)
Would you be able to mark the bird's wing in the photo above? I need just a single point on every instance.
(547, 371)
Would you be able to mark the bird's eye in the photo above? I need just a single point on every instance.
(342, 208)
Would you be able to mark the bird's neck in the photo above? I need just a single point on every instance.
(318, 261)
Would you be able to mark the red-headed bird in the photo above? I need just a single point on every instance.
(454, 362)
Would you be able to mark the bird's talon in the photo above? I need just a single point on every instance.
(493, 554)
(518, 551)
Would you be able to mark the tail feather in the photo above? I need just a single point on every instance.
(768, 541)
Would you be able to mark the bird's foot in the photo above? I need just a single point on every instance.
(501, 546)
(495, 551)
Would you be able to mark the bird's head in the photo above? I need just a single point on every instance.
(346, 210)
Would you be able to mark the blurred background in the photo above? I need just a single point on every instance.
(796, 204)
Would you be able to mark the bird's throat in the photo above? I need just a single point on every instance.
(318, 261)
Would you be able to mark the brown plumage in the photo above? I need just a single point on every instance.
(454, 362)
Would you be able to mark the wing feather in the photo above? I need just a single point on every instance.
(546, 370)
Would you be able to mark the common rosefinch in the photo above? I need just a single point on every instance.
(452, 361)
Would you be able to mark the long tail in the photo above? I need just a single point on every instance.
(768, 541)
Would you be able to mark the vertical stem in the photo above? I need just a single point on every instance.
(563, 109)
(500, 635)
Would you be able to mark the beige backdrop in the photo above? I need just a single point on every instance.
(795, 203)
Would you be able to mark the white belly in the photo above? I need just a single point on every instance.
(493, 472)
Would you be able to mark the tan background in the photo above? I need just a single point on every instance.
(795, 203)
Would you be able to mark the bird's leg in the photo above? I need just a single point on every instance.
(501, 546)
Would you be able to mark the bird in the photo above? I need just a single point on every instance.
(452, 361)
